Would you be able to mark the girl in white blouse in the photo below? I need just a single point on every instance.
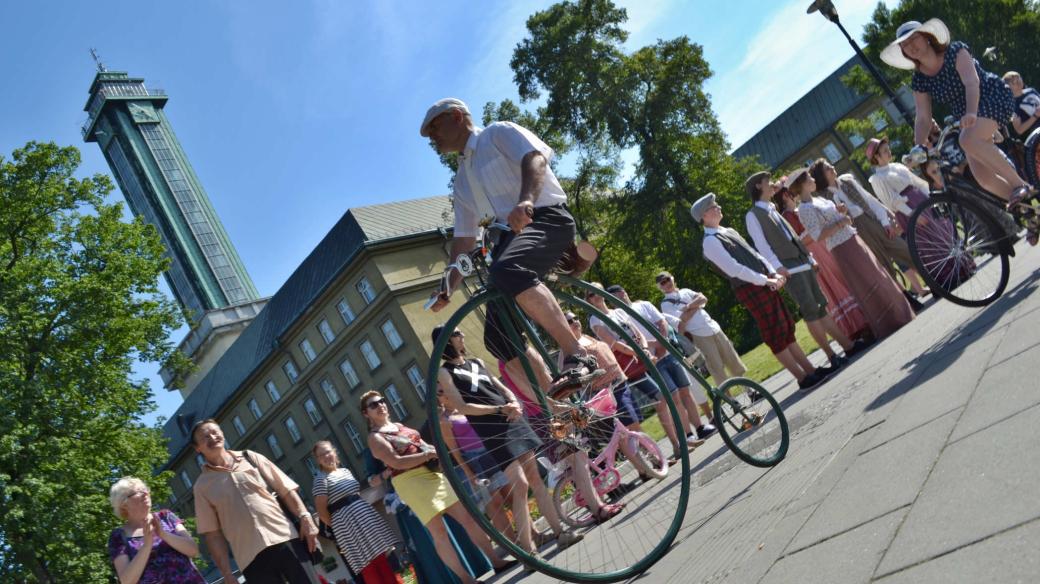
(894, 184)
(881, 301)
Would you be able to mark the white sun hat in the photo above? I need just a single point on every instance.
(893, 53)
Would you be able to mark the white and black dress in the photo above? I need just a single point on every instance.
(361, 534)
(504, 440)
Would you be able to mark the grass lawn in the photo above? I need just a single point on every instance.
(761, 365)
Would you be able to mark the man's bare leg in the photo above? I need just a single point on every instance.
(539, 304)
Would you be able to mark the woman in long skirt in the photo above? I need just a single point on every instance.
(879, 298)
(841, 304)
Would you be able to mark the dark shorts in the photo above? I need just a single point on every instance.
(276, 564)
(520, 262)
(673, 373)
(627, 409)
(805, 290)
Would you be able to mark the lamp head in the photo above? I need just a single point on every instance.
(824, 7)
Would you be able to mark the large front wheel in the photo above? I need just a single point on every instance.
(750, 422)
(959, 249)
(619, 548)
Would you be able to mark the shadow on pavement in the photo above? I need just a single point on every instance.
(931, 362)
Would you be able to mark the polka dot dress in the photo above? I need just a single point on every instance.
(995, 99)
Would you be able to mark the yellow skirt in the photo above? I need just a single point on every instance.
(427, 493)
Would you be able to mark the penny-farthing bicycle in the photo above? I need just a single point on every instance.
(749, 420)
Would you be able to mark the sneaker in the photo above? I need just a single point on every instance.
(693, 443)
(754, 396)
(567, 539)
(826, 371)
(858, 346)
(837, 361)
(705, 430)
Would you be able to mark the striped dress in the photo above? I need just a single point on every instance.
(361, 534)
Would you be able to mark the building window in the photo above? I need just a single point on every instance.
(200, 460)
(276, 449)
(330, 391)
(312, 411)
(186, 479)
(856, 140)
(349, 374)
(416, 377)
(365, 289)
(355, 436)
(239, 426)
(832, 153)
(311, 465)
(290, 371)
(326, 331)
(390, 332)
(272, 391)
(255, 409)
(294, 430)
(173, 498)
(395, 402)
(370, 355)
(345, 311)
(308, 350)
(880, 120)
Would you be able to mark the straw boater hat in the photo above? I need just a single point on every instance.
(794, 176)
(893, 53)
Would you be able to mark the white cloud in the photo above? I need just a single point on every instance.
(783, 61)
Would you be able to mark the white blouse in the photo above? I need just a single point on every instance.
(819, 214)
(890, 181)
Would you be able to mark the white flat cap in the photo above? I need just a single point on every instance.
(442, 105)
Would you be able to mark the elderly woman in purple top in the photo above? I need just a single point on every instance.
(149, 548)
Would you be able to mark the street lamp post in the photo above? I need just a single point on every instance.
(827, 9)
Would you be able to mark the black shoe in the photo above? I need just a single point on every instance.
(705, 430)
(811, 380)
(826, 371)
(915, 304)
(754, 396)
(837, 361)
(577, 371)
(858, 346)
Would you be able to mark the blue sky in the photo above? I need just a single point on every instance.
(293, 112)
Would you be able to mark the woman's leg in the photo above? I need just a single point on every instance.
(579, 462)
(541, 494)
(988, 164)
(446, 551)
(518, 499)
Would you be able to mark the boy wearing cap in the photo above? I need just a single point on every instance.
(778, 243)
(755, 284)
(503, 173)
(707, 335)
(671, 369)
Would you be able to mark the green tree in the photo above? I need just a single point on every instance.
(79, 304)
(652, 102)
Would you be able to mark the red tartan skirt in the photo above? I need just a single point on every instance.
(775, 323)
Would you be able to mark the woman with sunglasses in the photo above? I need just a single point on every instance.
(424, 489)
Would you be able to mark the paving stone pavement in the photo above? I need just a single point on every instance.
(918, 462)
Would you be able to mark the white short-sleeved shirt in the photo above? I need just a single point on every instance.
(701, 324)
(649, 313)
(619, 317)
(489, 176)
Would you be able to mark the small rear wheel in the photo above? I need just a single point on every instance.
(959, 249)
(649, 459)
(751, 422)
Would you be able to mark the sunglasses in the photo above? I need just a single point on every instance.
(375, 403)
(458, 334)
(572, 320)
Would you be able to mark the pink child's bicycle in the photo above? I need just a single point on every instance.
(640, 450)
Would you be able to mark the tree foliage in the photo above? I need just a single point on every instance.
(650, 102)
(78, 304)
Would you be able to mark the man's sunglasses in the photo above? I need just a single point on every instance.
(375, 403)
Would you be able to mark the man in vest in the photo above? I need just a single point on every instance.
(755, 284)
(776, 240)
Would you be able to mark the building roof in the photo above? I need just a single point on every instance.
(816, 112)
(358, 228)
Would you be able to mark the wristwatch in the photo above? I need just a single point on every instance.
(499, 410)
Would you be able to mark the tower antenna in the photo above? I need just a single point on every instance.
(97, 59)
